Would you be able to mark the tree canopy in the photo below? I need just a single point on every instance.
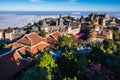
(66, 40)
(47, 63)
(35, 73)
(42, 33)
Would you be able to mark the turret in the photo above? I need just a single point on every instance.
(45, 26)
(44, 23)
(106, 16)
(103, 22)
(82, 19)
(60, 21)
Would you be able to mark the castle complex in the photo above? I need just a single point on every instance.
(95, 26)
(28, 43)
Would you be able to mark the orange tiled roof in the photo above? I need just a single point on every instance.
(51, 40)
(24, 50)
(101, 36)
(34, 38)
(56, 35)
(10, 64)
(30, 39)
(42, 45)
(1, 30)
(39, 47)
(24, 41)
(37, 43)
(45, 40)
(14, 45)
(110, 31)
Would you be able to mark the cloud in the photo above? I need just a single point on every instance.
(73, 1)
(36, 0)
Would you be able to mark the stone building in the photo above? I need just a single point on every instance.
(63, 25)
(1, 34)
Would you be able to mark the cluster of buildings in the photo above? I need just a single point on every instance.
(95, 26)
(18, 57)
(65, 25)
(28, 43)
(98, 26)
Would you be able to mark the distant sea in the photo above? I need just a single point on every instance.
(22, 18)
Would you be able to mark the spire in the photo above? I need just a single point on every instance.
(44, 23)
(60, 20)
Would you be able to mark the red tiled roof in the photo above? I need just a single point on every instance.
(51, 40)
(10, 64)
(24, 41)
(24, 50)
(35, 48)
(56, 35)
(1, 30)
(34, 38)
(14, 46)
(42, 45)
(39, 47)
(101, 36)
(45, 40)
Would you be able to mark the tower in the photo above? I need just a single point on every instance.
(60, 21)
(103, 22)
(106, 16)
(44, 23)
(45, 26)
(109, 34)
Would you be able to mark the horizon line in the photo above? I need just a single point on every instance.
(55, 10)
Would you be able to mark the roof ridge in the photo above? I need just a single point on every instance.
(53, 35)
(21, 47)
(41, 37)
(39, 43)
(21, 38)
(29, 39)
(19, 54)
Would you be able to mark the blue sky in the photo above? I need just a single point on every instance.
(59, 5)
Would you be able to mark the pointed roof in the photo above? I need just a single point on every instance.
(44, 24)
(23, 50)
(39, 47)
(34, 38)
(30, 39)
(14, 45)
(24, 41)
(55, 35)
(1, 30)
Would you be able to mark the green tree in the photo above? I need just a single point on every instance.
(35, 73)
(75, 78)
(66, 40)
(4, 48)
(47, 63)
(116, 36)
(42, 33)
(68, 63)
(110, 61)
(108, 46)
